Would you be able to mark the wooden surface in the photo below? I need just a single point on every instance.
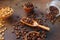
(54, 34)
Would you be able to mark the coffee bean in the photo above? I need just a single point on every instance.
(17, 33)
(39, 39)
(18, 37)
(16, 28)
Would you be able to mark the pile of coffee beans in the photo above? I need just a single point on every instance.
(54, 10)
(19, 30)
(52, 14)
(50, 17)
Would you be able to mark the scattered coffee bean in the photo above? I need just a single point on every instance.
(18, 37)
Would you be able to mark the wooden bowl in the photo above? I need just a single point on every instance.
(28, 10)
(28, 7)
(31, 32)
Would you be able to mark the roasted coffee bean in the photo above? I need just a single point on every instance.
(33, 38)
(13, 26)
(17, 33)
(20, 34)
(28, 38)
(33, 34)
(39, 39)
(43, 32)
(16, 28)
(18, 37)
(24, 33)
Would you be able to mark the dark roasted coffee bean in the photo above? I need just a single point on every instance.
(33, 34)
(24, 33)
(17, 33)
(18, 37)
(13, 26)
(16, 28)
(28, 38)
(39, 39)
(37, 35)
(33, 38)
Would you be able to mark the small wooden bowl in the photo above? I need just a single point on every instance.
(28, 10)
(28, 7)
(29, 33)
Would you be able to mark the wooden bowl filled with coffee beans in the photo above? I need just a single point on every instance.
(33, 35)
(28, 7)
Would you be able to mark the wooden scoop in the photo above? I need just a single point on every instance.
(35, 24)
